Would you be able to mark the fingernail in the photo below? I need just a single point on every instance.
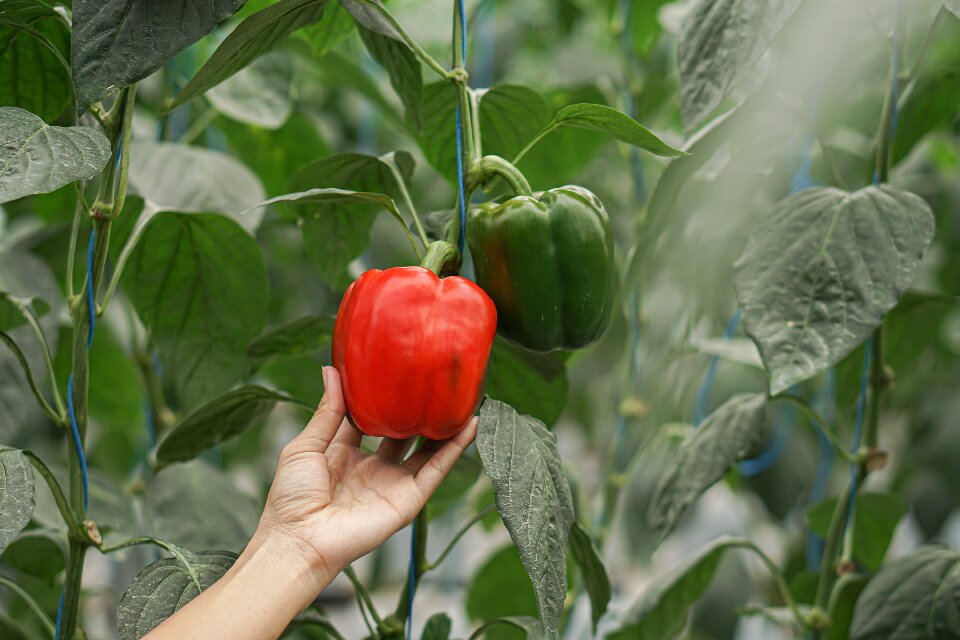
(325, 372)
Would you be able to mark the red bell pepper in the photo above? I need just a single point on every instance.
(412, 351)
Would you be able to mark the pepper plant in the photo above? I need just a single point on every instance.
(187, 193)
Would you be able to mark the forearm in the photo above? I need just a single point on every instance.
(271, 582)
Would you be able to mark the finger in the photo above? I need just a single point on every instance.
(324, 424)
(349, 435)
(436, 468)
(393, 449)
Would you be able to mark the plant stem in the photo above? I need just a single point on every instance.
(530, 145)
(781, 583)
(417, 566)
(442, 258)
(71, 589)
(362, 596)
(6, 339)
(132, 542)
(417, 49)
(490, 167)
(48, 360)
(78, 212)
(804, 406)
(34, 606)
(407, 200)
(456, 538)
(58, 496)
(877, 385)
(475, 124)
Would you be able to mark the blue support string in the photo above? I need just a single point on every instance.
(701, 406)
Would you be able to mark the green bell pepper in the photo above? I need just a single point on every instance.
(547, 263)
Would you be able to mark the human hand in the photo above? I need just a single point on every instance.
(337, 502)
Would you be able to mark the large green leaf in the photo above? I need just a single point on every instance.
(510, 115)
(257, 35)
(199, 284)
(166, 586)
(118, 42)
(36, 158)
(437, 627)
(719, 40)
(180, 177)
(603, 119)
(16, 494)
(533, 498)
(334, 27)
(259, 94)
(34, 44)
(500, 587)
(37, 552)
(334, 221)
(728, 435)
(219, 420)
(663, 610)
(294, 338)
(915, 597)
(276, 155)
(533, 383)
(875, 518)
(595, 577)
(196, 506)
(402, 67)
(822, 269)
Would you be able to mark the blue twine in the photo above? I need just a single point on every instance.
(460, 179)
(703, 395)
(413, 579)
(769, 456)
(74, 429)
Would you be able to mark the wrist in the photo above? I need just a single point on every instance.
(293, 555)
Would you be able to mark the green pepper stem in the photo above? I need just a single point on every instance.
(489, 167)
(442, 258)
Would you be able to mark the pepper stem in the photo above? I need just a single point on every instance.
(442, 258)
(489, 167)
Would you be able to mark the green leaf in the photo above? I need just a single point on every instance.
(217, 421)
(529, 628)
(37, 552)
(510, 115)
(843, 600)
(179, 177)
(275, 155)
(118, 42)
(36, 158)
(822, 269)
(199, 284)
(875, 518)
(533, 498)
(953, 5)
(500, 588)
(260, 94)
(166, 586)
(338, 70)
(196, 506)
(257, 35)
(913, 598)
(663, 609)
(402, 67)
(334, 201)
(332, 29)
(587, 557)
(294, 338)
(34, 41)
(437, 627)
(533, 383)
(603, 119)
(16, 494)
(729, 434)
(718, 41)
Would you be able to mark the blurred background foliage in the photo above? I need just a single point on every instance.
(320, 93)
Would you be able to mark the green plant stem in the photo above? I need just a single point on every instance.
(537, 138)
(73, 526)
(456, 538)
(877, 385)
(78, 212)
(33, 604)
(781, 583)
(475, 124)
(417, 49)
(490, 167)
(132, 542)
(811, 413)
(126, 129)
(47, 359)
(199, 126)
(76, 552)
(31, 381)
(911, 78)
(486, 626)
(417, 566)
(408, 201)
(363, 597)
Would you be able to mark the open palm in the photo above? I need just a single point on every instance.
(341, 502)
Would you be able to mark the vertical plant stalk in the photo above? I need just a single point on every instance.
(417, 567)
(107, 207)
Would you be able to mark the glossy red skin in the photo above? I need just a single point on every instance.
(412, 351)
